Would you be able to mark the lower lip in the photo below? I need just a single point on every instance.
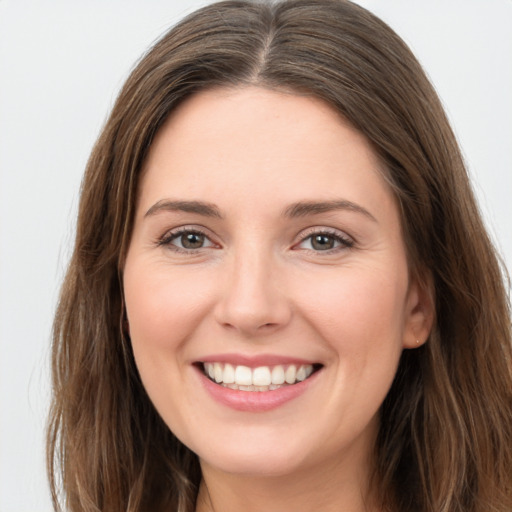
(256, 401)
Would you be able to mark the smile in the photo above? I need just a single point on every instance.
(261, 378)
(249, 385)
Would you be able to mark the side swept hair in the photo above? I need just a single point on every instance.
(445, 441)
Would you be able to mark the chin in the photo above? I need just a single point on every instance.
(256, 455)
(256, 464)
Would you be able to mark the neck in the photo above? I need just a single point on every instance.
(331, 486)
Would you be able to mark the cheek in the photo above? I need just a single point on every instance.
(364, 301)
(359, 315)
(162, 307)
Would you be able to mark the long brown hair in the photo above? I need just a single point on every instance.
(445, 442)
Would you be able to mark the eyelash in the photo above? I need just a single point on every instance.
(167, 239)
(344, 241)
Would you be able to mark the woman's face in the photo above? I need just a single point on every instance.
(267, 252)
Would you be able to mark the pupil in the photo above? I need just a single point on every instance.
(322, 242)
(192, 240)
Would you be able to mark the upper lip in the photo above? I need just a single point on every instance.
(254, 361)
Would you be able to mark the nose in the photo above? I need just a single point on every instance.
(252, 299)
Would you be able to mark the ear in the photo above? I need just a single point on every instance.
(419, 312)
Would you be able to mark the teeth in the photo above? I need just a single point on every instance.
(228, 377)
(290, 374)
(278, 375)
(217, 372)
(301, 374)
(243, 376)
(262, 378)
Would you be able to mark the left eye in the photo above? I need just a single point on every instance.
(324, 242)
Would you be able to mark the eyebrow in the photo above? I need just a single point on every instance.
(295, 210)
(199, 207)
(305, 208)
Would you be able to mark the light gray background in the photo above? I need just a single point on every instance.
(61, 65)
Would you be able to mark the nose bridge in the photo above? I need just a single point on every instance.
(252, 301)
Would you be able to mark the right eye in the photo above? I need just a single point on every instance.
(186, 240)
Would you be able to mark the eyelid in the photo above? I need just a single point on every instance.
(346, 241)
(165, 240)
(171, 234)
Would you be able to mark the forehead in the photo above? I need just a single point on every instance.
(272, 145)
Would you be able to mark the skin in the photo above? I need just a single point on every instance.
(258, 285)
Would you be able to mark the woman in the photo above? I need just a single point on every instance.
(282, 295)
